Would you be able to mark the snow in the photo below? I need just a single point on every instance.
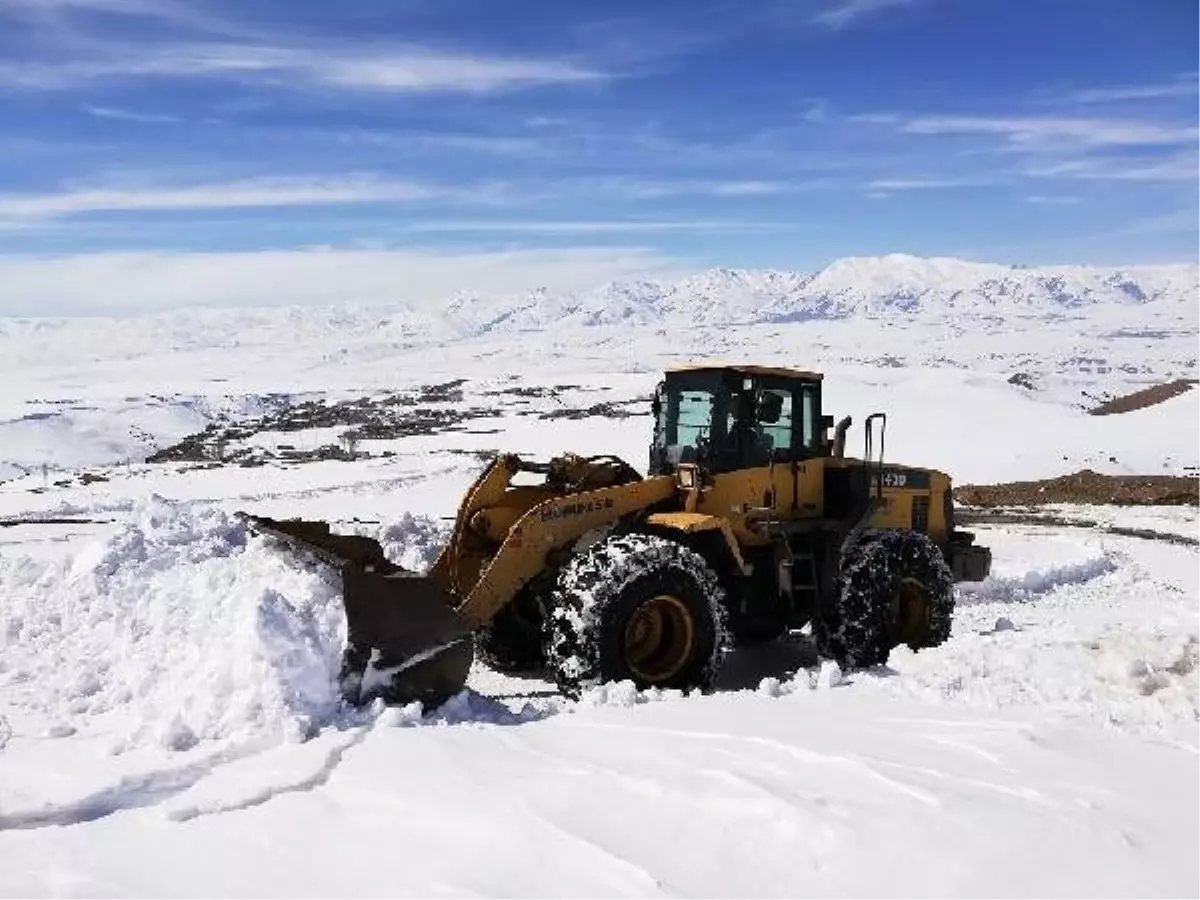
(118, 631)
(169, 721)
(800, 795)
(1066, 639)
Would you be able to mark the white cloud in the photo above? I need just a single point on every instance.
(818, 112)
(1052, 200)
(1182, 87)
(244, 194)
(400, 69)
(750, 188)
(151, 8)
(845, 12)
(546, 122)
(1177, 222)
(60, 15)
(594, 226)
(1173, 168)
(107, 283)
(362, 189)
(128, 115)
(422, 70)
(1033, 131)
(497, 145)
(651, 189)
(924, 184)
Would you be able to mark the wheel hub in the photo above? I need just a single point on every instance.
(659, 638)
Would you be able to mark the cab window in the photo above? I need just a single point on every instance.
(774, 426)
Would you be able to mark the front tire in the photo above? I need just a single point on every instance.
(895, 589)
(636, 607)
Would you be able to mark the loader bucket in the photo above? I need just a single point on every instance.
(404, 641)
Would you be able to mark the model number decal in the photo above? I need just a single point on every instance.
(576, 509)
(910, 479)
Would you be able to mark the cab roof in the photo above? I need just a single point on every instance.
(764, 371)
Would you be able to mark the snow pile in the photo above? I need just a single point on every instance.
(412, 541)
(467, 707)
(180, 625)
(1107, 634)
(1031, 583)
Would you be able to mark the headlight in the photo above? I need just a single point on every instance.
(687, 478)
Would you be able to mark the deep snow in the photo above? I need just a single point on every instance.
(169, 687)
(168, 718)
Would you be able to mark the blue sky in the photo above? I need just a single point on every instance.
(780, 133)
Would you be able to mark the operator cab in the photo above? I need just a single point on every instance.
(740, 417)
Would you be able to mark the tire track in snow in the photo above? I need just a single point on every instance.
(603, 856)
(751, 794)
(1060, 522)
(862, 765)
(130, 792)
(267, 793)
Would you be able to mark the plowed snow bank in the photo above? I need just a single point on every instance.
(181, 624)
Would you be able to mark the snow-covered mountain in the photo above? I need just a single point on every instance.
(883, 286)
(864, 286)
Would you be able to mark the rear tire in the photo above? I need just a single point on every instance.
(512, 641)
(895, 589)
(636, 607)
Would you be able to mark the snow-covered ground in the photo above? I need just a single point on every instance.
(168, 721)
(171, 727)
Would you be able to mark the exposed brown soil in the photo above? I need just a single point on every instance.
(1086, 486)
(1146, 397)
(428, 410)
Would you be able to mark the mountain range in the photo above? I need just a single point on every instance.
(895, 286)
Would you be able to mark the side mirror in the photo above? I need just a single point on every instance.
(770, 406)
(656, 402)
(825, 423)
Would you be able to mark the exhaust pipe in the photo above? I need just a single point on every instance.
(839, 437)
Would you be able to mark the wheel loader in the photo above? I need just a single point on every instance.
(751, 520)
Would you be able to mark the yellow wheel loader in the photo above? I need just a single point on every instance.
(751, 521)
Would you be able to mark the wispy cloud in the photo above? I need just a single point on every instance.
(146, 8)
(1174, 168)
(128, 115)
(63, 17)
(925, 184)
(494, 144)
(244, 194)
(1181, 87)
(1179, 221)
(370, 189)
(1052, 200)
(596, 226)
(651, 189)
(1037, 131)
(400, 69)
(843, 13)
